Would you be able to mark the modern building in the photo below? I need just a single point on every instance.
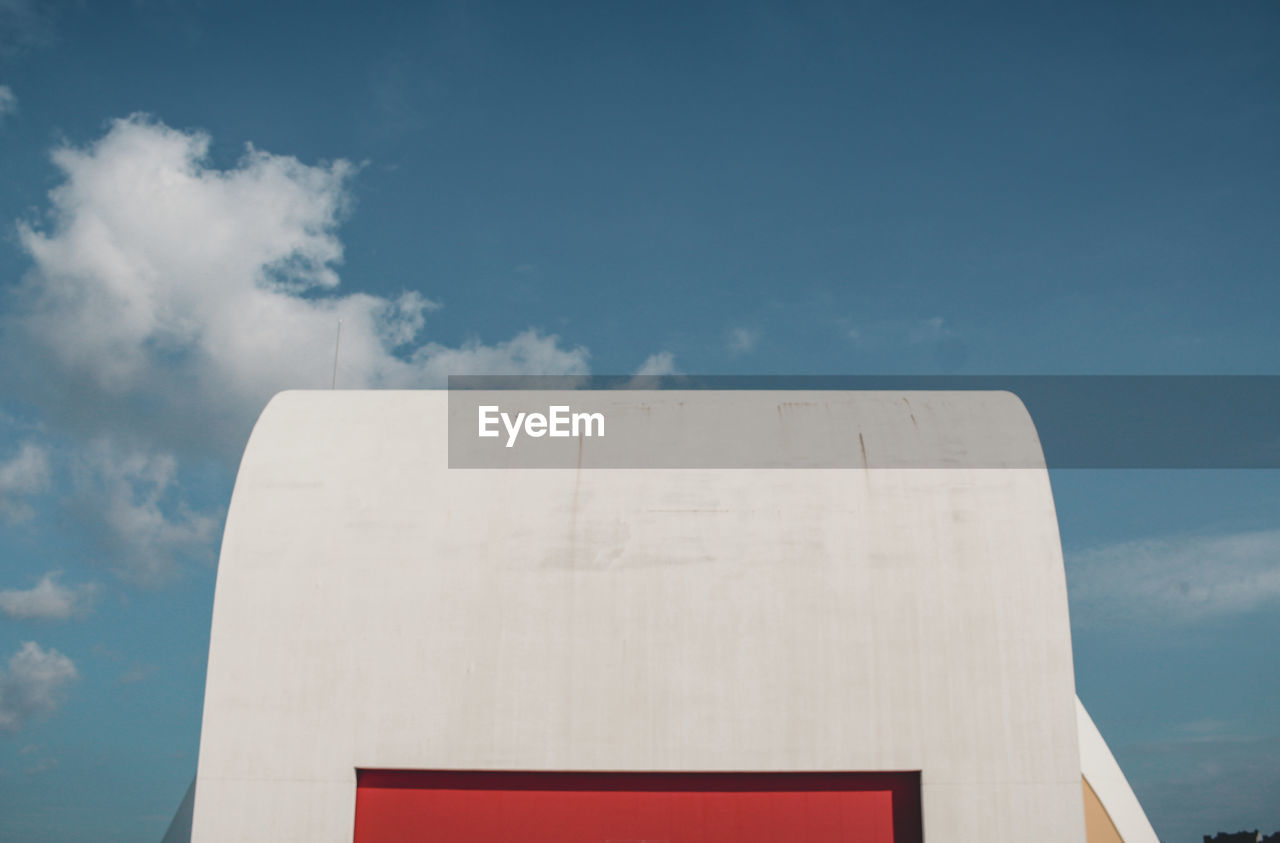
(418, 636)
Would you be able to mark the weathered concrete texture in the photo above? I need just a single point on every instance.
(376, 609)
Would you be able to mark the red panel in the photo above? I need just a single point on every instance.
(503, 807)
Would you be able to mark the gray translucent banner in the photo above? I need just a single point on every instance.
(984, 421)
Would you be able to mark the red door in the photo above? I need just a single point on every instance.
(505, 807)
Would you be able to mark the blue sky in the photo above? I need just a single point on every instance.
(192, 193)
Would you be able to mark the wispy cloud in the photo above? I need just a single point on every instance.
(41, 761)
(927, 331)
(48, 600)
(135, 674)
(129, 499)
(8, 101)
(23, 474)
(530, 352)
(651, 371)
(33, 684)
(742, 340)
(931, 330)
(1175, 581)
(657, 365)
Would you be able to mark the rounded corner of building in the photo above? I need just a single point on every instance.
(288, 397)
(1019, 415)
(275, 404)
(1012, 402)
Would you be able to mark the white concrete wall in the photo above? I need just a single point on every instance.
(376, 609)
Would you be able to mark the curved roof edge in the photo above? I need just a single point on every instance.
(1100, 770)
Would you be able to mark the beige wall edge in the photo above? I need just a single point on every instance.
(1104, 776)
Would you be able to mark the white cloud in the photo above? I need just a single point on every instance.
(931, 330)
(25, 473)
(48, 600)
(129, 499)
(169, 299)
(8, 101)
(1163, 582)
(742, 340)
(155, 254)
(176, 298)
(656, 365)
(33, 684)
(528, 352)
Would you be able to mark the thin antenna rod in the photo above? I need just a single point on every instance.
(336, 348)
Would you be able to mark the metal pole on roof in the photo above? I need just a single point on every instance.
(336, 348)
